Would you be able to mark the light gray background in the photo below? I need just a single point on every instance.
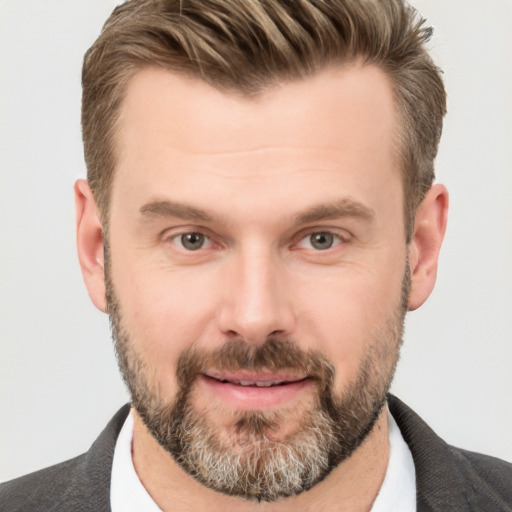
(58, 378)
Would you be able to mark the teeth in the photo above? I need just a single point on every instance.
(258, 384)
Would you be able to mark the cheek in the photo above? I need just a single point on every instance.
(344, 316)
(164, 311)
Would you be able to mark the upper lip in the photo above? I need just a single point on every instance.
(251, 376)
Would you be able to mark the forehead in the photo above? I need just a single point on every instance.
(176, 133)
(352, 96)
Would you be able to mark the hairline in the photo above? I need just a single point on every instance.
(398, 139)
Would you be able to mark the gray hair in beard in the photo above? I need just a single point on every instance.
(254, 464)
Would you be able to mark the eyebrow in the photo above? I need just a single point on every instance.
(164, 209)
(343, 208)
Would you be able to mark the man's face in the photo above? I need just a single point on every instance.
(257, 272)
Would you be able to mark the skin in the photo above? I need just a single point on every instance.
(261, 170)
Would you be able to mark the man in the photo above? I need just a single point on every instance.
(259, 215)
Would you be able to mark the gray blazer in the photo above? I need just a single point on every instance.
(448, 479)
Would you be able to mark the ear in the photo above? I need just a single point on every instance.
(429, 229)
(89, 240)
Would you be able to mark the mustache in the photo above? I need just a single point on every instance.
(275, 354)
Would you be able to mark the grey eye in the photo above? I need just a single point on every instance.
(321, 241)
(192, 241)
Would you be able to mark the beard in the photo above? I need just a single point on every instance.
(250, 456)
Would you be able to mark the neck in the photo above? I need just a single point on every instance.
(352, 486)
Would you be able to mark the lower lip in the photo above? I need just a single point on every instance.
(253, 397)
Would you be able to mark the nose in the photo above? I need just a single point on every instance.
(256, 298)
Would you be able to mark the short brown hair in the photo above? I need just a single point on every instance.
(245, 46)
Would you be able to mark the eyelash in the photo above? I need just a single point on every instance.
(336, 239)
(178, 240)
(304, 237)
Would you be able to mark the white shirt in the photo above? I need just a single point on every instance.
(398, 491)
(397, 494)
(127, 494)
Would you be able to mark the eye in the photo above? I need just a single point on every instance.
(320, 241)
(192, 241)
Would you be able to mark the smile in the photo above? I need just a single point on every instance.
(257, 384)
(249, 390)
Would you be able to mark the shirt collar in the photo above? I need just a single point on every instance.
(398, 491)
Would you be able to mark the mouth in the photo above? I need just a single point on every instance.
(254, 390)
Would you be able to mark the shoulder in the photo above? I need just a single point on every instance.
(41, 490)
(492, 471)
(80, 484)
(449, 478)
(483, 482)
